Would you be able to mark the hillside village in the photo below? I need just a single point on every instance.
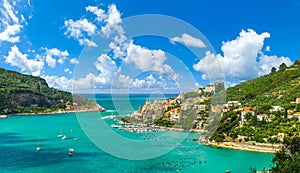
(240, 120)
(168, 112)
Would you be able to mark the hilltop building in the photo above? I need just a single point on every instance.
(212, 88)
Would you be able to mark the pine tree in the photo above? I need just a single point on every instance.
(273, 70)
(282, 67)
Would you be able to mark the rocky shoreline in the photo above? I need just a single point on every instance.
(99, 109)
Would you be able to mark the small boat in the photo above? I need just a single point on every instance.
(3, 116)
(108, 117)
(38, 148)
(115, 126)
(60, 134)
(71, 152)
(64, 137)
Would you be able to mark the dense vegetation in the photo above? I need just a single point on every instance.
(279, 88)
(287, 159)
(254, 130)
(21, 93)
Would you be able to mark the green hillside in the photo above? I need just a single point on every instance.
(277, 88)
(21, 93)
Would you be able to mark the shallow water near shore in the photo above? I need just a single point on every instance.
(20, 135)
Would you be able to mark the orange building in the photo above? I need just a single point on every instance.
(248, 109)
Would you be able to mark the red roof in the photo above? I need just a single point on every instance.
(247, 109)
(262, 115)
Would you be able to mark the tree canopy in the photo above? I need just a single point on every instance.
(288, 158)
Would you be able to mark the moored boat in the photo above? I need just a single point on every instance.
(71, 152)
(3, 116)
(108, 117)
(116, 126)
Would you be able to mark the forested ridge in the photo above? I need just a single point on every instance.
(20, 93)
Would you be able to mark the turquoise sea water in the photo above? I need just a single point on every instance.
(20, 135)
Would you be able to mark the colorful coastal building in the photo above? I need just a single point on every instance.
(261, 117)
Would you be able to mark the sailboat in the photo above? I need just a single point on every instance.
(38, 148)
(60, 134)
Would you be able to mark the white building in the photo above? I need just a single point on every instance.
(260, 117)
(276, 109)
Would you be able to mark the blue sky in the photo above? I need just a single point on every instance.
(83, 45)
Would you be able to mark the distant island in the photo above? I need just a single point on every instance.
(256, 115)
(26, 94)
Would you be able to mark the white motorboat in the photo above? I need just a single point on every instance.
(3, 116)
(71, 152)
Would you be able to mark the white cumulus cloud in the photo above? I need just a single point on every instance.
(10, 23)
(80, 30)
(54, 55)
(87, 82)
(107, 67)
(239, 60)
(210, 66)
(18, 59)
(113, 21)
(50, 61)
(153, 82)
(100, 13)
(57, 82)
(67, 70)
(242, 58)
(110, 20)
(124, 50)
(144, 58)
(188, 40)
(267, 62)
(74, 61)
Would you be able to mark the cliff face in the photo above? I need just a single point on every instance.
(21, 93)
(27, 99)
